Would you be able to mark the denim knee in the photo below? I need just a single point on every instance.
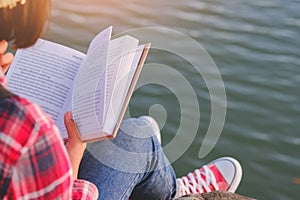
(132, 148)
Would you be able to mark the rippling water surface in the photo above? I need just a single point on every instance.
(256, 46)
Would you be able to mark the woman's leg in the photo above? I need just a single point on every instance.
(131, 165)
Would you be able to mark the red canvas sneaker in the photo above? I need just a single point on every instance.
(221, 174)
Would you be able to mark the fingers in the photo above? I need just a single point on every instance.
(73, 133)
(5, 59)
(71, 127)
(3, 46)
(74, 145)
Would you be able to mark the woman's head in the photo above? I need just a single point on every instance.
(22, 21)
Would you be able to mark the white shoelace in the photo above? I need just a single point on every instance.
(188, 184)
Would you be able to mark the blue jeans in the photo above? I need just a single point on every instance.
(132, 165)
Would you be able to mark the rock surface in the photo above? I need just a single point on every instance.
(216, 195)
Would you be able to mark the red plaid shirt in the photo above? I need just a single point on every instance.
(34, 163)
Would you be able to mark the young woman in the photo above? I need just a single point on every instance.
(36, 164)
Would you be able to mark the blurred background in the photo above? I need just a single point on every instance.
(256, 46)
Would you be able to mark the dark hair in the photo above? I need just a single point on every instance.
(24, 24)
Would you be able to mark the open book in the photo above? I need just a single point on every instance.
(96, 87)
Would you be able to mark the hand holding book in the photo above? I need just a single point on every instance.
(74, 145)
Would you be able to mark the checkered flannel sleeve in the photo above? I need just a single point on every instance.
(34, 163)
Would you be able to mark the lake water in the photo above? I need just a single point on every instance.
(256, 47)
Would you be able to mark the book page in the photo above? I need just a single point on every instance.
(44, 74)
(120, 56)
(98, 39)
(88, 99)
(120, 90)
(116, 88)
(138, 54)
